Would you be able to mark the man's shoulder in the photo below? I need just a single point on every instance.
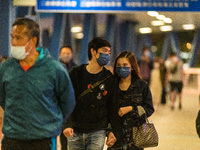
(54, 65)
(77, 68)
(107, 71)
(108, 76)
(7, 65)
(74, 64)
(8, 62)
(51, 62)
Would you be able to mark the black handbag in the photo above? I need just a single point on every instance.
(145, 135)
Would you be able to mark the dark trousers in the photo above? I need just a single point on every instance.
(63, 141)
(15, 144)
(163, 97)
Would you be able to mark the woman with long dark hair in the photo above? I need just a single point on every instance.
(134, 100)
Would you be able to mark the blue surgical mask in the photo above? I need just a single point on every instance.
(123, 72)
(103, 59)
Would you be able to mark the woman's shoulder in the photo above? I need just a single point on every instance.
(141, 82)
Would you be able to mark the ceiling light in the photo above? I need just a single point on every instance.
(157, 23)
(188, 45)
(188, 26)
(145, 30)
(76, 29)
(24, 3)
(152, 13)
(185, 55)
(154, 49)
(167, 20)
(166, 28)
(160, 17)
(79, 35)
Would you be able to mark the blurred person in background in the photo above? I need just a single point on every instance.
(164, 81)
(146, 64)
(175, 77)
(66, 57)
(155, 84)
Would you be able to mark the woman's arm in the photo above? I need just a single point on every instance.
(147, 102)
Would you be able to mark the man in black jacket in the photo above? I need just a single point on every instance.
(86, 127)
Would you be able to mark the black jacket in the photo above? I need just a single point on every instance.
(198, 123)
(93, 113)
(141, 96)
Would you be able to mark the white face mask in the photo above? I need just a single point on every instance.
(147, 54)
(19, 52)
(65, 58)
(175, 59)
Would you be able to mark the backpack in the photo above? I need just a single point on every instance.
(174, 70)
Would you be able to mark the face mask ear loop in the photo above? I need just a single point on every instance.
(29, 49)
(96, 54)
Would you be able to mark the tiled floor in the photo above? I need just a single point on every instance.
(176, 129)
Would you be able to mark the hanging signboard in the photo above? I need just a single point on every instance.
(116, 5)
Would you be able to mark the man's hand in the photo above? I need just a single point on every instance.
(68, 132)
(124, 110)
(111, 140)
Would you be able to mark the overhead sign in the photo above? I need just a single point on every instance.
(116, 5)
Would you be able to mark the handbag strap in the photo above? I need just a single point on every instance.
(92, 87)
(132, 99)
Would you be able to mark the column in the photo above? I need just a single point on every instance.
(7, 16)
(195, 49)
(89, 33)
(56, 36)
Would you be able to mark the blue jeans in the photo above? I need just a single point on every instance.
(87, 141)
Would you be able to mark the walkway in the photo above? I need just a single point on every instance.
(176, 129)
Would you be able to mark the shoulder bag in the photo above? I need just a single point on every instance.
(144, 135)
(92, 87)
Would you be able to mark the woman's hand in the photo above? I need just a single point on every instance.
(124, 110)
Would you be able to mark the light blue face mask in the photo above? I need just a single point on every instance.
(103, 59)
(123, 72)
